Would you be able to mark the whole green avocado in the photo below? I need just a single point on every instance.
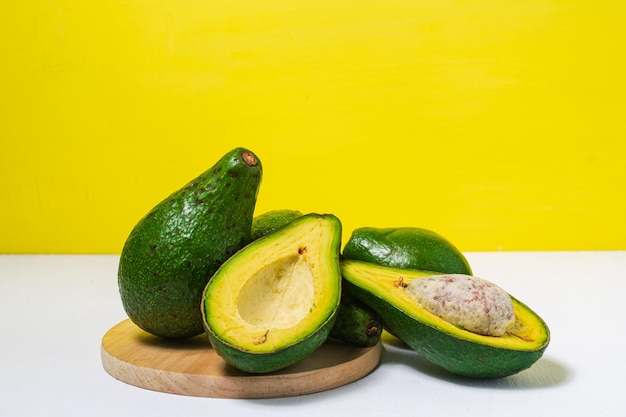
(173, 251)
(407, 248)
(271, 221)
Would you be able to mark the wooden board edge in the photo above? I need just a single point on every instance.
(257, 387)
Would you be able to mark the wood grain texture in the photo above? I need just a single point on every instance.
(191, 367)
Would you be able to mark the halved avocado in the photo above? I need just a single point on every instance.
(440, 342)
(275, 301)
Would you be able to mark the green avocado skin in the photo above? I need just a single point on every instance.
(406, 248)
(271, 221)
(356, 323)
(172, 252)
(260, 364)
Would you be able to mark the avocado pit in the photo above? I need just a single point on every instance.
(466, 301)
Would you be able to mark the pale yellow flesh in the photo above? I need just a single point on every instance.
(278, 296)
(277, 291)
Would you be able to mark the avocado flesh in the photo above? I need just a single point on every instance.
(406, 247)
(172, 252)
(356, 324)
(457, 350)
(275, 301)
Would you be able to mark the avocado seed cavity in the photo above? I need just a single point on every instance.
(280, 295)
(469, 302)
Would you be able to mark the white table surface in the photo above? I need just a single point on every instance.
(54, 311)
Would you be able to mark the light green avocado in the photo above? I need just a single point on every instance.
(274, 302)
(443, 343)
(172, 252)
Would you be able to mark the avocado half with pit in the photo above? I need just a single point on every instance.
(439, 341)
(274, 302)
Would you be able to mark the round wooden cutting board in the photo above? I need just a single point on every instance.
(191, 367)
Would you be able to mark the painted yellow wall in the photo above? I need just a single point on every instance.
(501, 125)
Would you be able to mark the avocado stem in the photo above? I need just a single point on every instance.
(249, 158)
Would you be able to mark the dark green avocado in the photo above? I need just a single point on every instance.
(271, 221)
(173, 251)
(356, 323)
(407, 248)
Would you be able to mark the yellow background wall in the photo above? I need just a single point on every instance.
(500, 125)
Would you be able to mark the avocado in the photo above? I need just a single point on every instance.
(271, 221)
(171, 253)
(356, 323)
(443, 343)
(406, 247)
(275, 301)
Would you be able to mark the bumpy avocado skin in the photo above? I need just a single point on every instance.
(356, 323)
(172, 252)
(407, 248)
